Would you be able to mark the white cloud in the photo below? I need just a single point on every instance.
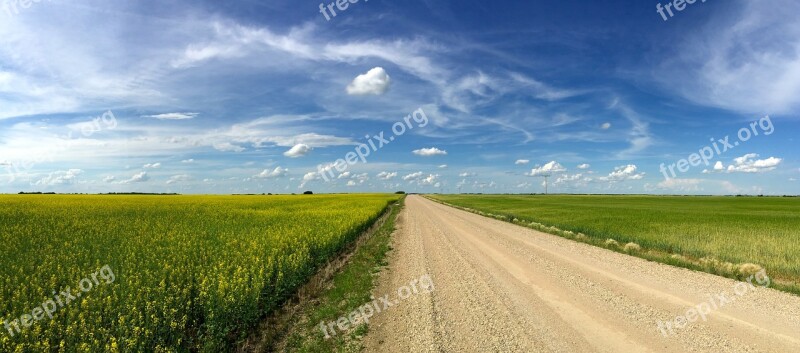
(467, 175)
(681, 184)
(549, 168)
(584, 166)
(718, 168)
(173, 116)
(59, 178)
(413, 176)
(749, 164)
(623, 173)
(278, 172)
(188, 160)
(109, 179)
(152, 166)
(374, 82)
(227, 147)
(137, 178)
(386, 175)
(443, 166)
(605, 126)
(745, 60)
(429, 152)
(522, 161)
(179, 178)
(299, 150)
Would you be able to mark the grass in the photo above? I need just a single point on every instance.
(193, 273)
(349, 289)
(721, 235)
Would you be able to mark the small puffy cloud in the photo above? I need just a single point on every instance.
(109, 179)
(299, 150)
(227, 147)
(749, 164)
(718, 168)
(152, 166)
(137, 178)
(584, 166)
(564, 179)
(413, 176)
(522, 161)
(443, 166)
(179, 178)
(374, 82)
(386, 175)
(173, 116)
(605, 126)
(429, 152)
(188, 160)
(549, 168)
(278, 172)
(467, 175)
(59, 178)
(623, 173)
(676, 184)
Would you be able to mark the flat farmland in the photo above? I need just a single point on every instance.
(161, 273)
(715, 234)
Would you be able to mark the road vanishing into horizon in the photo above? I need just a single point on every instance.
(500, 287)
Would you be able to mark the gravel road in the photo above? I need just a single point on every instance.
(505, 288)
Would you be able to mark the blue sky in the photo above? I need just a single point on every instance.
(258, 97)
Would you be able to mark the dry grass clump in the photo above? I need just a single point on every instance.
(612, 243)
(748, 269)
(632, 247)
(581, 237)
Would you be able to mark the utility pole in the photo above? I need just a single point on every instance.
(545, 176)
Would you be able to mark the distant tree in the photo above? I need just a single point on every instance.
(401, 193)
(308, 193)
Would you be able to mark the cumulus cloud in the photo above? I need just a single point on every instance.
(59, 178)
(429, 152)
(443, 166)
(467, 175)
(278, 172)
(299, 150)
(623, 173)
(152, 166)
(413, 176)
(374, 82)
(605, 126)
(137, 178)
(584, 166)
(386, 175)
(179, 178)
(749, 164)
(109, 179)
(173, 116)
(188, 160)
(549, 168)
(746, 164)
(522, 161)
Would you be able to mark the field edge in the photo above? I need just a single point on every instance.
(341, 285)
(655, 255)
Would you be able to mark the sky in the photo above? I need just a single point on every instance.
(245, 96)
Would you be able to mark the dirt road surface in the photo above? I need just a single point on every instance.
(505, 288)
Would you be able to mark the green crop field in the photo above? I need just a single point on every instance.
(716, 234)
(161, 273)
